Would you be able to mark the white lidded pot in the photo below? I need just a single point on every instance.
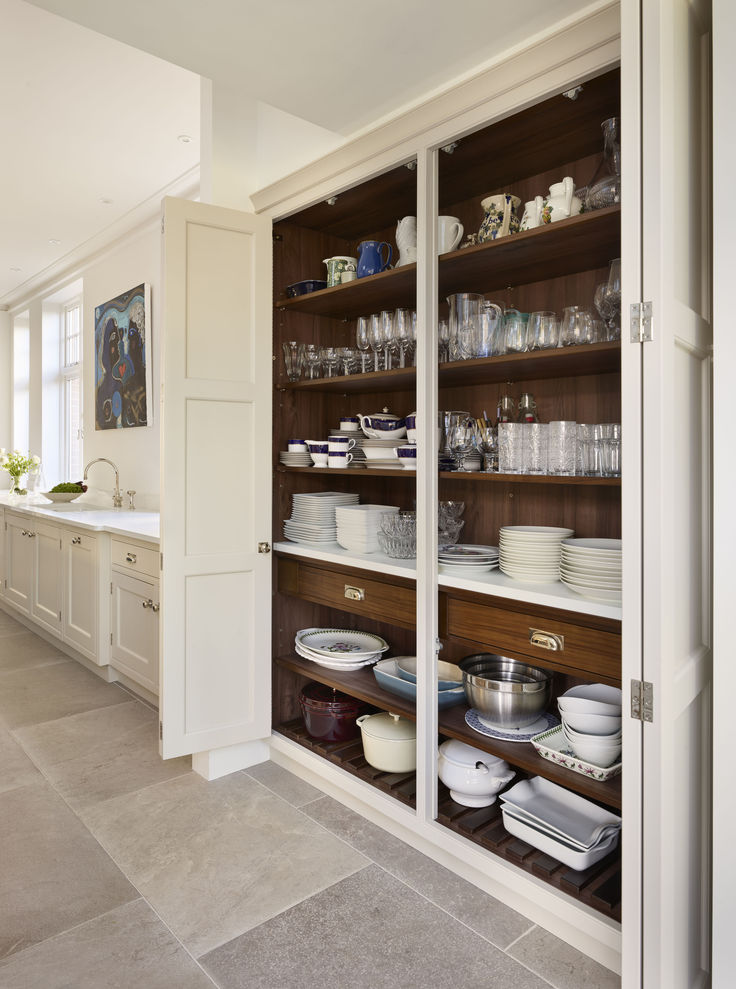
(389, 742)
(474, 777)
(382, 426)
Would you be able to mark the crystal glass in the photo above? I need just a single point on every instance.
(449, 532)
(534, 444)
(313, 360)
(544, 330)
(515, 331)
(375, 338)
(465, 310)
(362, 341)
(612, 294)
(449, 511)
(577, 326)
(461, 437)
(330, 361)
(611, 450)
(562, 447)
(413, 339)
(348, 360)
(293, 359)
(488, 327)
(589, 450)
(487, 441)
(397, 535)
(388, 336)
(510, 447)
(403, 333)
(443, 340)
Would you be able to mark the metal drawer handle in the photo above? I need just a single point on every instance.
(76, 541)
(354, 593)
(546, 640)
(130, 558)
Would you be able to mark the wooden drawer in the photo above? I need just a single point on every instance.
(133, 557)
(588, 648)
(349, 590)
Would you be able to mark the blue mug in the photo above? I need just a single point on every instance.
(370, 261)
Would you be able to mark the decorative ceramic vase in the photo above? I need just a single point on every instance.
(562, 201)
(500, 217)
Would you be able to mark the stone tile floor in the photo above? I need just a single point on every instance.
(120, 870)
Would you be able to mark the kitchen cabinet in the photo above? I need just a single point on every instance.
(46, 606)
(2, 552)
(134, 648)
(81, 593)
(18, 562)
(511, 129)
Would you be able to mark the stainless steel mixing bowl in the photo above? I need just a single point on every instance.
(506, 692)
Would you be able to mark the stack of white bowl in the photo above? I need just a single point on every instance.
(358, 525)
(313, 516)
(531, 552)
(592, 568)
(591, 722)
(381, 454)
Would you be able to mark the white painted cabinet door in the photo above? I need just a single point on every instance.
(80, 608)
(215, 478)
(2, 552)
(134, 646)
(18, 563)
(46, 604)
(676, 471)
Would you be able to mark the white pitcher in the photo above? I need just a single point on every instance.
(406, 240)
(562, 201)
(532, 213)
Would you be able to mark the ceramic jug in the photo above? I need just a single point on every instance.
(533, 213)
(562, 201)
(406, 240)
(336, 266)
(370, 261)
(500, 217)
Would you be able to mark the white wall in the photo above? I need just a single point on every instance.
(135, 451)
(6, 385)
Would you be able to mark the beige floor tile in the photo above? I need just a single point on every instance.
(24, 650)
(16, 769)
(560, 964)
(100, 754)
(216, 859)
(54, 874)
(28, 697)
(127, 948)
(369, 931)
(482, 913)
(285, 784)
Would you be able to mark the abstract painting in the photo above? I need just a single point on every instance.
(122, 360)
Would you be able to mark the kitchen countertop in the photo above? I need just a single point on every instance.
(144, 526)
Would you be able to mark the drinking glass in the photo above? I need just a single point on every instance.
(611, 450)
(313, 360)
(577, 326)
(461, 437)
(375, 337)
(402, 333)
(562, 447)
(465, 309)
(348, 360)
(613, 295)
(534, 447)
(413, 339)
(387, 336)
(361, 339)
(510, 447)
(589, 450)
(330, 360)
(449, 511)
(293, 359)
(544, 330)
(487, 439)
(515, 331)
(489, 321)
(443, 339)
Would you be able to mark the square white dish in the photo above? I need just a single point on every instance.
(553, 746)
(577, 860)
(567, 813)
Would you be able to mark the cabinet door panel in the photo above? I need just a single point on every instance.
(46, 607)
(134, 648)
(80, 592)
(19, 564)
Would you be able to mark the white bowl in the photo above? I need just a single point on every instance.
(589, 752)
(379, 453)
(602, 741)
(596, 692)
(592, 724)
(581, 705)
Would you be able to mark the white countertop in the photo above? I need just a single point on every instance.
(145, 526)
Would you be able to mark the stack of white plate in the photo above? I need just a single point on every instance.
(465, 560)
(381, 455)
(295, 459)
(357, 450)
(592, 567)
(566, 826)
(531, 552)
(313, 516)
(339, 648)
(358, 525)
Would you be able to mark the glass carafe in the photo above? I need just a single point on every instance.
(465, 310)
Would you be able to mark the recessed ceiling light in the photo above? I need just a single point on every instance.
(106, 202)
(16, 269)
(54, 241)
(184, 138)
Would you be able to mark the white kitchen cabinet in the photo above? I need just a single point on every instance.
(2, 552)
(47, 585)
(664, 932)
(134, 635)
(19, 562)
(81, 593)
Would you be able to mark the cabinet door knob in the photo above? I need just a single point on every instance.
(547, 640)
(130, 557)
(147, 604)
(30, 534)
(76, 540)
(155, 607)
(264, 547)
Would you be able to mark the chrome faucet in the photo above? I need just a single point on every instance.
(117, 498)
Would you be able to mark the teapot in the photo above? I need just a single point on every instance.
(500, 219)
(533, 213)
(562, 201)
(406, 240)
(382, 426)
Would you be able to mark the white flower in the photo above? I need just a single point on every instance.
(35, 460)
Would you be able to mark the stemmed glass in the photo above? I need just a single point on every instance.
(387, 335)
(293, 359)
(487, 441)
(461, 437)
(348, 359)
(443, 338)
(375, 337)
(313, 360)
(330, 360)
(413, 339)
(362, 341)
(402, 333)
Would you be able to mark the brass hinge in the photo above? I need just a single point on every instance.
(642, 700)
(642, 318)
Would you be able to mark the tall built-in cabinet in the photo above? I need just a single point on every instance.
(514, 129)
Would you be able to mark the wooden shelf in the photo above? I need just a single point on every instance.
(362, 685)
(575, 480)
(349, 471)
(392, 289)
(580, 243)
(564, 362)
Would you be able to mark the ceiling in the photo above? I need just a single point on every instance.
(92, 102)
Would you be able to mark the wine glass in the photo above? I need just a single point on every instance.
(443, 338)
(413, 339)
(330, 360)
(576, 327)
(487, 440)
(402, 333)
(361, 339)
(387, 335)
(375, 337)
(461, 437)
(313, 360)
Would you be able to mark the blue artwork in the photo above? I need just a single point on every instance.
(122, 371)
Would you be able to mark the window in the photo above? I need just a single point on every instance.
(71, 392)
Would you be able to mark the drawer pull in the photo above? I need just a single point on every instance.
(147, 604)
(546, 640)
(130, 557)
(76, 541)
(155, 607)
(354, 593)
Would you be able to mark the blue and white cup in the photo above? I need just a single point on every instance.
(339, 460)
(296, 446)
(407, 454)
(318, 452)
(349, 424)
(340, 444)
